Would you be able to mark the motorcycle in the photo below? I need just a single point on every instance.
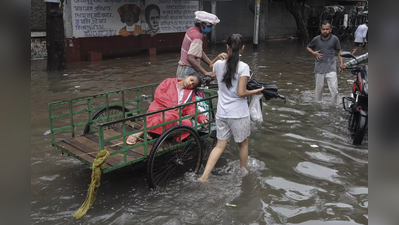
(357, 105)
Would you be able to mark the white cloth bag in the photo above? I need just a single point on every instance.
(254, 109)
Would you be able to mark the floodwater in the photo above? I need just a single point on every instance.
(303, 167)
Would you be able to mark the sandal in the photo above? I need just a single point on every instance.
(135, 140)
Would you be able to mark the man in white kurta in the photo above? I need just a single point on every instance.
(360, 37)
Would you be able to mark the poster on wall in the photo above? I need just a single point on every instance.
(93, 18)
(168, 16)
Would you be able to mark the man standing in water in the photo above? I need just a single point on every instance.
(191, 49)
(323, 47)
(360, 37)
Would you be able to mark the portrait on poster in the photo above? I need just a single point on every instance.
(94, 18)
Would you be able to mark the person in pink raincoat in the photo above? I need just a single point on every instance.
(171, 92)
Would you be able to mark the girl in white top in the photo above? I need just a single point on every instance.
(232, 117)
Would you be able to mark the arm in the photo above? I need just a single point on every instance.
(205, 58)
(360, 59)
(341, 60)
(195, 51)
(351, 63)
(242, 88)
(337, 47)
(317, 54)
(221, 56)
(190, 110)
(194, 63)
(160, 97)
(364, 35)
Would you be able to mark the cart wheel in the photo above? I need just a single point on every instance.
(113, 110)
(173, 162)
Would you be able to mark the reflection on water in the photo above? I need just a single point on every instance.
(290, 182)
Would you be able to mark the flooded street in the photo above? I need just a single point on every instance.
(303, 167)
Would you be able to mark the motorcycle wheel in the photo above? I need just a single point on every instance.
(360, 129)
(352, 120)
(351, 123)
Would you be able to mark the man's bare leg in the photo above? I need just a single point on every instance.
(353, 53)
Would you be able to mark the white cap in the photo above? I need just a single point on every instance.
(206, 17)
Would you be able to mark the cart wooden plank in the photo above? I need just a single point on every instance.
(87, 142)
(94, 138)
(78, 143)
(140, 150)
(77, 152)
(93, 145)
(128, 128)
(109, 145)
(131, 155)
(92, 152)
(109, 133)
(87, 146)
(138, 124)
(118, 159)
(119, 142)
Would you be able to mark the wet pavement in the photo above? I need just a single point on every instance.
(290, 182)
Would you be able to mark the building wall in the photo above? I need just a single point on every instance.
(38, 48)
(38, 15)
(235, 17)
(281, 22)
(321, 2)
(38, 27)
(68, 20)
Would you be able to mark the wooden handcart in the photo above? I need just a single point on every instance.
(106, 120)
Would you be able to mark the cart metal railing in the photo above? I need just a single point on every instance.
(137, 115)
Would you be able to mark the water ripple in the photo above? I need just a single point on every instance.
(318, 172)
(293, 190)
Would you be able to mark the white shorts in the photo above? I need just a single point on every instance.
(240, 128)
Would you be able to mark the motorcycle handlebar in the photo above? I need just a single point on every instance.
(354, 68)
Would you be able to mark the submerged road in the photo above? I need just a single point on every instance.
(303, 167)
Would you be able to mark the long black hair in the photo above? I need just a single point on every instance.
(198, 76)
(235, 43)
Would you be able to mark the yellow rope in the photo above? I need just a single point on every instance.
(98, 165)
